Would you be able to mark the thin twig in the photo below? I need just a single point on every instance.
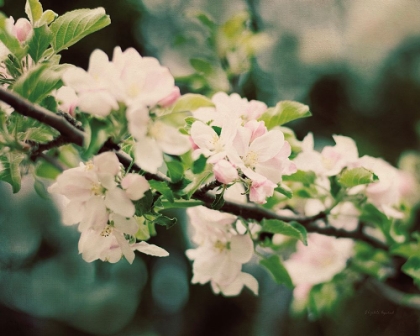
(72, 133)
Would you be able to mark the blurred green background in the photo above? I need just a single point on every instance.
(356, 63)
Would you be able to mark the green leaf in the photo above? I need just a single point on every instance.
(33, 9)
(353, 177)
(202, 66)
(97, 136)
(371, 261)
(307, 178)
(179, 204)
(144, 204)
(277, 270)
(143, 233)
(39, 42)
(10, 169)
(75, 25)
(285, 190)
(412, 268)
(284, 112)
(191, 102)
(292, 229)
(39, 81)
(165, 221)
(199, 165)
(163, 188)
(175, 170)
(47, 17)
(218, 201)
(10, 41)
(41, 190)
(47, 170)
(406, 250)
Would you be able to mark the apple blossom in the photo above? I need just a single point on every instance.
(221, 252)
(318, 262)
(97, 89)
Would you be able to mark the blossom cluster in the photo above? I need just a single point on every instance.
(385, 193)
(239, 146)
(223, 246)
(136, 84)
(100, 199)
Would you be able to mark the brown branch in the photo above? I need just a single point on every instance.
(71, 133)
(26, 108)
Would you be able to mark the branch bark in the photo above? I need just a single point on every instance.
(71, 133)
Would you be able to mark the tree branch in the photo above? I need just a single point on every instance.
(26, 108)
(71, 133)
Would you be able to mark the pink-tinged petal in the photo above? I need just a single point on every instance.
(257, 128)
(148, 155)
(95, 215)
(78, 79)
(98, 102)
(125, 247)
(268, 145)
(171, 98)
(204, 137)
(67, 99)
(171, 141)
(224, 172)
(97, 61)
(242, 140)
(150, 249)
(118, 201)
(124, 225)
(138, 120)
(308, 143)
(347, 147)
(107, 163)
(23, 29)
(135, 186)
(261, 190)
(241, 249)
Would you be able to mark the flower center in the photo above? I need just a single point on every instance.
(97, 189)
(107, 231)
(156, 130)
(251, 159)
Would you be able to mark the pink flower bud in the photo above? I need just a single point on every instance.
(23, 29)
(260, 190)
(171, 98)
(225, 172)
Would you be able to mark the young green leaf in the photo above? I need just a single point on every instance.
(165, 221)
(218, 201)
(277, 270)
(39, 42)
(307, 178)
(284, 112)
(98, 131)
(10, 169)
(75, 25)
(412, 267)
(199, 165)
(175, 170)
(191, 102)
(163, 188)
(292, 229)
(39, 81)
(33, 9)
(353, 177)
(202, 66)
(285, 190)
